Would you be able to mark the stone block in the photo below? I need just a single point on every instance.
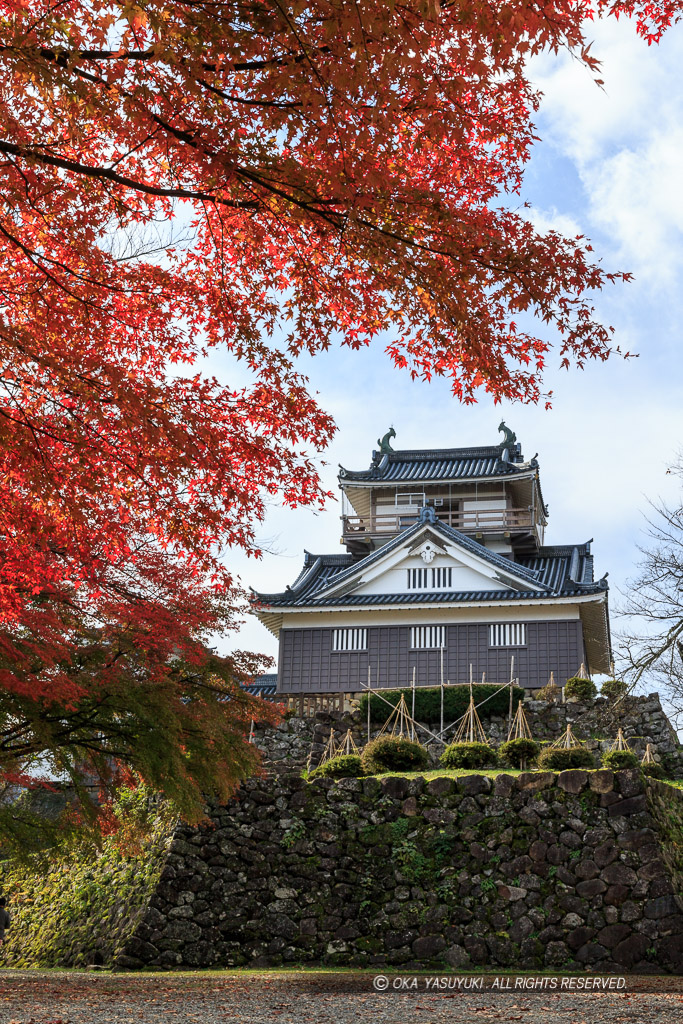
(471, 785)
(601, 780)
(441, 786)
(653, 869)
(410, 807)
(629, 782)
(535, 781)
(511, 892)
(630, 950)
(591, 887)
(619, 874)
(538, 850)
(662, 906)
(586, 869)
(616, 894)
(605, 853)
(631, 805)
(428, 946)
(457, 956)
(591, 953)
(573, 780)
(578, 937)
(395, 787)
(613, 934)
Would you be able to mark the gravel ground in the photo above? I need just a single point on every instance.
(55, 997)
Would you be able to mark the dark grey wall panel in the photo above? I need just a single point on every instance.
(308, 664)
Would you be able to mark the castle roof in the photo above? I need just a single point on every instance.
(443, 464)
(557, 571)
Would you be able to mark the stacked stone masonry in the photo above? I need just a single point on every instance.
(643, 720)
(570, 871)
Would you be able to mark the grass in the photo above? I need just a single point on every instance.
(446, 773)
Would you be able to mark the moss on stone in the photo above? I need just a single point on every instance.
(77, 907)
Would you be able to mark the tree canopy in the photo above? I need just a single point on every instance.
(269, 178)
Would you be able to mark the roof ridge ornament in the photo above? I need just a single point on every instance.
(508, 443)
(427, 514)
(384, 442)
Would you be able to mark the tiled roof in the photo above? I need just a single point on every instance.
(263, 686)
(562, 571)
(440, 464)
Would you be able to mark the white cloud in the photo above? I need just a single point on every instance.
(625, 141)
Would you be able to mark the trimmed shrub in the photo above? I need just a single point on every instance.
(456, 700)
(654, 770)
(468, 755)
(558, 759)
(580, 689)
(341, 767)
(619, 759)
(520, 752)
(550, 692)
(393, 754)
(613, 689)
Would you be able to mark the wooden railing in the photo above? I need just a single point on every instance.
(474, 520)
(306, 705)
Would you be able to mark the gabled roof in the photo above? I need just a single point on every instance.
(439, 464)
(555, 572)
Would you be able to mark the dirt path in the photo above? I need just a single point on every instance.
(52, 997)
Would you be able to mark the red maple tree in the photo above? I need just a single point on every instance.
(265, 177)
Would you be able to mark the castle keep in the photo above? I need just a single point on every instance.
(445, 568)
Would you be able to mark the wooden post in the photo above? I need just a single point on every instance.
(412, 713)
(441, 733)
(512, 670)
(369, 699)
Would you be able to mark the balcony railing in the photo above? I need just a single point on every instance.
(469, 521)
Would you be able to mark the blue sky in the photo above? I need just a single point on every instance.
(610, 165)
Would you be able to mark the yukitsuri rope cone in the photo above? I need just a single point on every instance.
(519, 730)
(400, 724)
(470, 729)
(567, 741)
(621, 743)
(648, 756)
(330, 750)
(347, 745)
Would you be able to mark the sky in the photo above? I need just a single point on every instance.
(609, 165)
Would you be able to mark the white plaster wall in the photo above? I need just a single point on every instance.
(525, 611)
(395, 580)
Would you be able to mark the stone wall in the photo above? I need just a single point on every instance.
(570, 871)
(642, 718)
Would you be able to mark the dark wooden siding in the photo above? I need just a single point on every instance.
(308, 664)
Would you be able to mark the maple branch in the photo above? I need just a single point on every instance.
(105, 174)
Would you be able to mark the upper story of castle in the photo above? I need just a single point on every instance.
(488, 493)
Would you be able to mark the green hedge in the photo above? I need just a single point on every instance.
(343, 766)
(455, 701)
(520, 752)
(620, 759)
(393, 754)
(468, 755)
(559, 759)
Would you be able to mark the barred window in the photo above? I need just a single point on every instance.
(507, 634)
(434, 579)
(418, 579)
(350, 640)
(442, 578)
(422, 637)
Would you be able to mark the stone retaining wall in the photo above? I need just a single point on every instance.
(569, 871)
(642, 719)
